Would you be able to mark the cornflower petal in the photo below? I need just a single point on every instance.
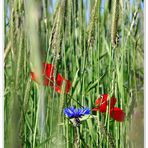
(79, 112)
(67, 113)
(71, 112)
(72, 108)
(86, 111)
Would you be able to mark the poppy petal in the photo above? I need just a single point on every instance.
(103, 107)
(57, 89)
(98, 101)
(103, 101)
(48, 78)
(59, 82)
(34, 77)
(117, 114)
(46, 82)
(113, 102)
(68, 85)
(95, 109)
(104, 97)
(48, 72)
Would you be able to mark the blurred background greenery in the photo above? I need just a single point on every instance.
(98, 45)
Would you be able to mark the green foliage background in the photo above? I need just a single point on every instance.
(98, 46)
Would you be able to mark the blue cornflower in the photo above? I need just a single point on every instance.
(71, 112)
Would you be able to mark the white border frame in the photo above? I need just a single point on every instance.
(145, 75)
(1, 74)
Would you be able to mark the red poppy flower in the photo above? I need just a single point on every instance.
(34, 77)
(117, 114)
(59, 82)
(48, 78)
(103, 102)
(47, 72)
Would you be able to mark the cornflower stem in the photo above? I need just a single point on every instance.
(77, 137)
(66, 94)
(74, 100)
